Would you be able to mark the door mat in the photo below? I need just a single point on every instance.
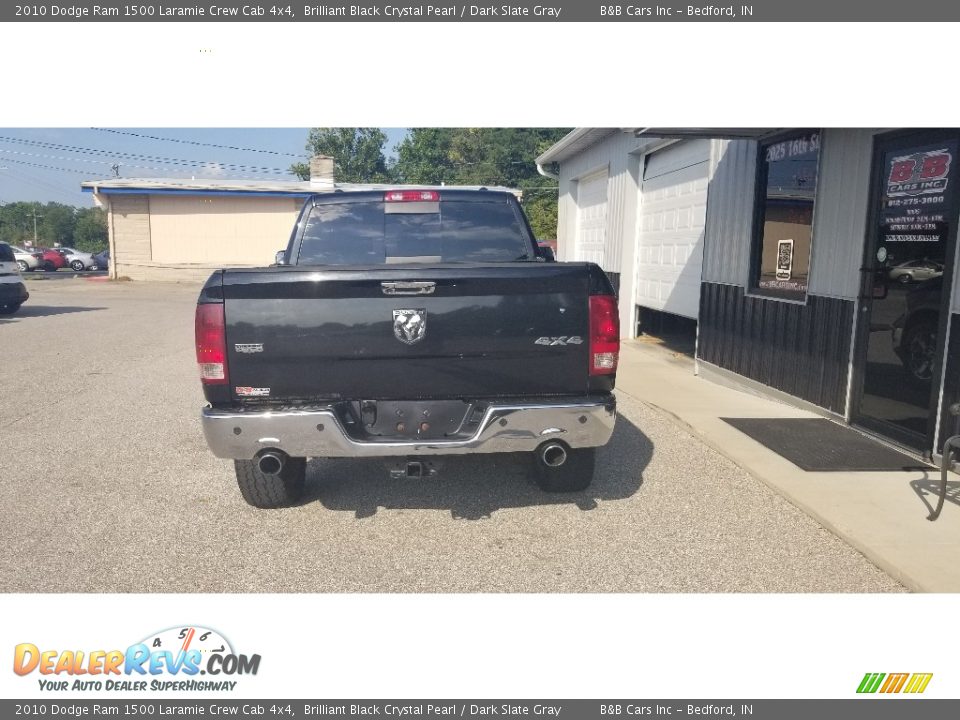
(819, 445)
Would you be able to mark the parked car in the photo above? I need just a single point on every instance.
(384, 332)
(915, 271)
(102, 260)
(13, 293)
(28, 260)
(51, 260)
(77, 259)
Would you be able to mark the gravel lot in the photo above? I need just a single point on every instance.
(107, 486)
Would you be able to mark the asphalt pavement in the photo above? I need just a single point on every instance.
(108, 487)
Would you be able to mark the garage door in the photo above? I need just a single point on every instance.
(673, 205)
(591, 218)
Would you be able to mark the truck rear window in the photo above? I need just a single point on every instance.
(6, 254)
(375, 233)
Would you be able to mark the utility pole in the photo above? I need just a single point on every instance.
(35, 216)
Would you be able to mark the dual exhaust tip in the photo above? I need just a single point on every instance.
(552, 454)
(272, 462)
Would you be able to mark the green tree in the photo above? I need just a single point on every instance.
(485, 156)
(357, 154)
(17, 222)
(57, 224)
(83, 228)
(90, 231)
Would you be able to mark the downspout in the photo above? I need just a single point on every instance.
(547, 174)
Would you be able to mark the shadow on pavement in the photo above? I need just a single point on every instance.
(473, 487)
(28, 311)
(928, 490)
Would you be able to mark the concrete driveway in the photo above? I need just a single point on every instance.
(107, 486)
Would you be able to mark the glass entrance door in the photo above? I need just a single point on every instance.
(911, 238)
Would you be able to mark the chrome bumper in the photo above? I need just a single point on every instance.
(319, 433)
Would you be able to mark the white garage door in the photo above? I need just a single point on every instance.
(591, 218)
(673, 205)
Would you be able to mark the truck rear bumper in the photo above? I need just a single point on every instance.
(318, 432)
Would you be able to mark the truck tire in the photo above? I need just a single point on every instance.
(9, 309)
(271, 491)
(574, 475)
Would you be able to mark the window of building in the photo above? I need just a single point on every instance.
(783, 229)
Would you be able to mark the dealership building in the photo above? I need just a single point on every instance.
(818, 264)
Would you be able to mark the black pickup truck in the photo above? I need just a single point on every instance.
(406, 324)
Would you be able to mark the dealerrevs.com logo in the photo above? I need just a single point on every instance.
(172, 659)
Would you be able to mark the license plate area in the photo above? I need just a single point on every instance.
(411, 420)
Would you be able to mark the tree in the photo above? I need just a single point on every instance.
(485, 156)
(82, 228)
(57, 224)
(357, 154)
(90, 232)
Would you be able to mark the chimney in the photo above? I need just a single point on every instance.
(321, 173)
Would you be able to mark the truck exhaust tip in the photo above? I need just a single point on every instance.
(553, 455)
(271, 462)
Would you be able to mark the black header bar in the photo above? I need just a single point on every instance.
(516, 11)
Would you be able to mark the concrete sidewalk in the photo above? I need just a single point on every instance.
(881, 514)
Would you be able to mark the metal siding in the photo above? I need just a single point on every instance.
(840, 213)
(798, 349)
(613, 153)
(729, 225)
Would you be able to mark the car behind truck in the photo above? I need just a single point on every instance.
(407, 324)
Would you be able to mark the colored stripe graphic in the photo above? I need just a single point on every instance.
(870, 682)
(918, 683)
(894, 683)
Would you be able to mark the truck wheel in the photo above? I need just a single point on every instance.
(9, 309)
(271, 491)
(573, 473)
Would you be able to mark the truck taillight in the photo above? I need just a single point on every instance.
(211, 336)
(604, 335)
(411, 196)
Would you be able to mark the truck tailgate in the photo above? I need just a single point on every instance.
(479, 330)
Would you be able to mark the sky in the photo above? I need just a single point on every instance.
(48, 164)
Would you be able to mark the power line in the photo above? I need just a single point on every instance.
(141, 156)
(50, 167)
(194, 142)
(44, 186)
(211, 166)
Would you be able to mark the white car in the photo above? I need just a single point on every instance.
(27, 260)
(77, 259)
(13, 293)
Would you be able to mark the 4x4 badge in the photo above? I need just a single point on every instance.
(561, 340)
(410, 325)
